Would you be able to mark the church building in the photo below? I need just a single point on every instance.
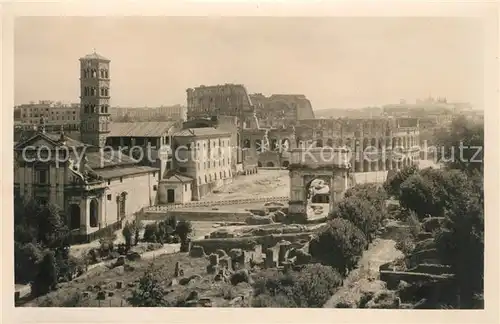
(96, 188)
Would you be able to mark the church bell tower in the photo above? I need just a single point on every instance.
(94, 99)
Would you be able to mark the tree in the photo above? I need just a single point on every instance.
(462, 146)
(41, 237)
(366, 216)
(47, 276)
(460, 244)
(127, 233)
(393, 183)
(150, 293)
(26, 258)
(431, 191)
(184, 229)
(370, 192)
(339, 244)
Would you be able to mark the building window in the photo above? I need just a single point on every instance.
(155, 188)
(185, 187)
(42, 176)
(121, 179)
(94, 213)
(109, 197)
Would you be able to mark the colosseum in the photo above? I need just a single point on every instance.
(376, 144)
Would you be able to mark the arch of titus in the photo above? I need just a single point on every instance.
(307, 164)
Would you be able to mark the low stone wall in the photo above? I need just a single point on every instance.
(392, 278)
(429, 256)
(192, 215)
(210, 203)
(434, 269)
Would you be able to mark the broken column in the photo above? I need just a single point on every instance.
(178, 271)
(270, 263)
(213, 267)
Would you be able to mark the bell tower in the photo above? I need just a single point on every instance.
(94, 99)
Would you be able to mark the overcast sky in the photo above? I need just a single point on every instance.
(335, 62)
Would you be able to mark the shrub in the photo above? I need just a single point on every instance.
(150, 233)
(366, 216)
(310, 287)
(184, 229)
(149, 293)
(240, 276)
(339, 244)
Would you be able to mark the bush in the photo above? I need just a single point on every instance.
(47, 276)
(184, 230)
(310, 287)
(149, 293)
(367, 216)
(339, 244)
(240, 276)
(150, 233)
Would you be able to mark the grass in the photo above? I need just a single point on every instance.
(71, 294)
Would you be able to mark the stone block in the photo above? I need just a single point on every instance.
(177, 269)
(214, 259)
(197, 252)
(225, 262)
(270, 259)
(211, 269)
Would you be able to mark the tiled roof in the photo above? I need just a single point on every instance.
(51, 137)
(121, 172)
(106, 158)
(178, 178)
(95, 56)
(68, 140)
(202, 131)
(139, 129)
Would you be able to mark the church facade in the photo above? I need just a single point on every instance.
(95, 187)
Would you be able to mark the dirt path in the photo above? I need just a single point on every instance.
(379, 252)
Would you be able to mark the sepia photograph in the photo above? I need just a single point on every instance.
(249, 162)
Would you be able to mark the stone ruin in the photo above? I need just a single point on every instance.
(422, 269)
(197, 252)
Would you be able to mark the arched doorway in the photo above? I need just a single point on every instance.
(94, 213)
(274, 144)
(74, 212)
(270, 164)
(285, 164)
(285, 145)
(317, 193)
